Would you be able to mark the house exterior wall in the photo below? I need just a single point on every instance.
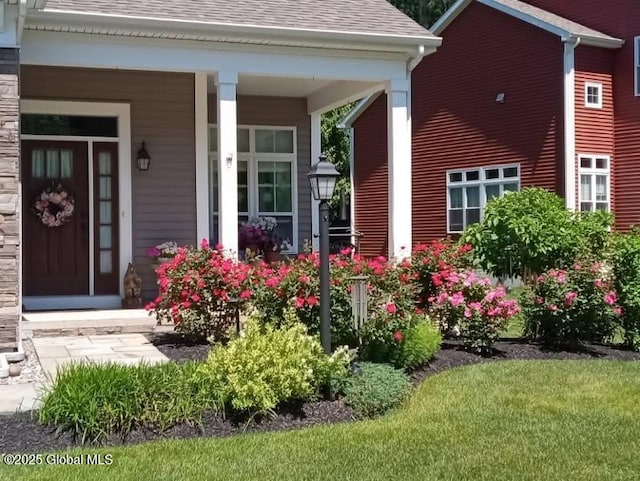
(371, 179)
(457, 123)
(595, 127)
(10, 304)
(162, 115)
(289, 112)
(622, 20)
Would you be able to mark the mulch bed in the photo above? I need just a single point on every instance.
(20, 433)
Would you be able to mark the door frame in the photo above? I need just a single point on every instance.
(122, 111)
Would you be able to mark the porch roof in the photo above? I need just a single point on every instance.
(364, 20)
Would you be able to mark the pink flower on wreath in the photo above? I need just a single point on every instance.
(552, 308)
(397, 336)
(610, 298)
(391, 308)
(570, 297)
(456, 299)
(299, 302)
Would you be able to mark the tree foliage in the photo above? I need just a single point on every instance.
(425, 12)
(335, 145)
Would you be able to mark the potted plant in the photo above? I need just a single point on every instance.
(251, 238)
(163, 252)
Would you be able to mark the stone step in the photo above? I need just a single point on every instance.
(89, 323)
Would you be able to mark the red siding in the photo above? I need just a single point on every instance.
(370, 179)
(620, 19)
(594, 127)
(457, 122)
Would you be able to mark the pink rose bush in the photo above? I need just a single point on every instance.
(469, 304)
(568, 307)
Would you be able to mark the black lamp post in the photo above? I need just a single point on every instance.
(323, 177)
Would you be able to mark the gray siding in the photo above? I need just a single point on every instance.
(282, 111)
(162, 114)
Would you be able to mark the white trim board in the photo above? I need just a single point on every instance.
(123, 114)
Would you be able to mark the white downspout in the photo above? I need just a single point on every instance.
(570, 45)
(352, 189)
(22, 14)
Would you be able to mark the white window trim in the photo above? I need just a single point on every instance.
(252, 158)
(592, 105)
(481, 182)
(636, 66)
(593, 172)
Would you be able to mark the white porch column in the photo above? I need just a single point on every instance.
(202, 157)
(570, 124)
(399, 147)
(316, 150)
(226, 83)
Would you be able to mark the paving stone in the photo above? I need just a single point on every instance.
(52, 351)
(139, 348)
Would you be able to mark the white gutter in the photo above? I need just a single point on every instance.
(570, 172)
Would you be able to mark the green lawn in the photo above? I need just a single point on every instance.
(516, 420)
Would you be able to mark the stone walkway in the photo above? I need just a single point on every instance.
(56, 351)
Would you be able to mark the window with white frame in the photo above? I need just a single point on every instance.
(594, 182)
(593, 95)
(468, 192)
(266, 177)
(637, 64)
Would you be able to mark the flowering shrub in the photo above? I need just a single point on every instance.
(197, 290)
(429, 259)
(567, 307)
(296, 284)
(468, 303)
(266, 367)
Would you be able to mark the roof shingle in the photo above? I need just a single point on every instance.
(352, 16)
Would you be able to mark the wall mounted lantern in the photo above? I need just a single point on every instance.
(143, 159)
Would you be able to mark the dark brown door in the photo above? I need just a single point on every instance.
(56, 258)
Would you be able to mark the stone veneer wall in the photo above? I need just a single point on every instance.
(10, 308)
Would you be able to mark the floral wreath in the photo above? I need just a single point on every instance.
(54, 206)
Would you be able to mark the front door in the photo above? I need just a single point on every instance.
(55, 206)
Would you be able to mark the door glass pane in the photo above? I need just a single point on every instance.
(66, 164)
(265, 141)
(473, 216)
(105, 262)
(243, 186)
(455, 220)
(284, 141)
(585, 188)
(105, 188)
(283, 187)
(493, 191)
(104, 163)
(473, 196)
(213, 186)
(105, 212)
(243, 140)
(37, 164)
(455, 198)
(40, 124)
(601, 188)
(53, 164)
(105, 236)
(285, 227)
